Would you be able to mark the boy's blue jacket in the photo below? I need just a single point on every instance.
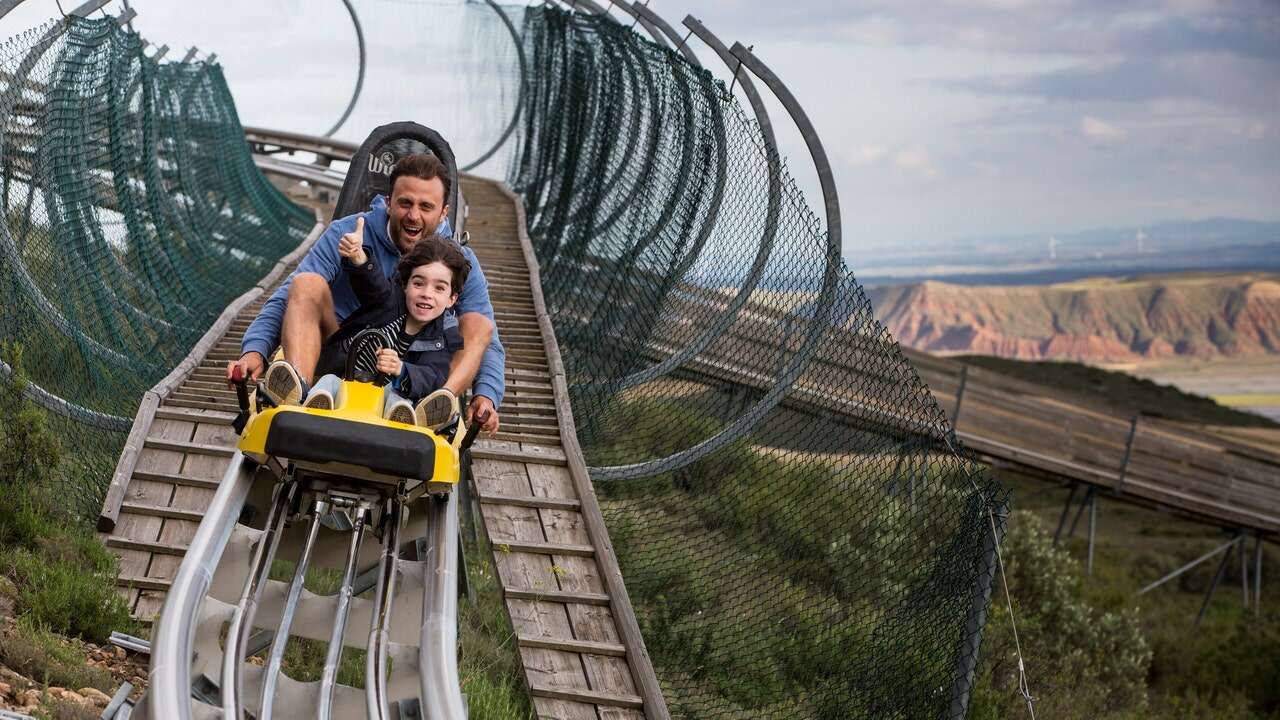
(263, 335)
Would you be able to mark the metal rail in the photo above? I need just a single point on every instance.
(173, 646)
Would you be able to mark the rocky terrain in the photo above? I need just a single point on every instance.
(107, 667)
(1108, 320)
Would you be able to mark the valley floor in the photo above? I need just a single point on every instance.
(1251, 385)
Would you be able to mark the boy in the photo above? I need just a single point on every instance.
(410, 320)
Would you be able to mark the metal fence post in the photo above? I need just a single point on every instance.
(1128, 452)
(967, 661)
(964, 381)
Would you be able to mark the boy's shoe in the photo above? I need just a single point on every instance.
(319, 399)
(438, 410)
(400, 411)
(283, 384)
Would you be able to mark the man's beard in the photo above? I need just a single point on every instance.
(398, 237)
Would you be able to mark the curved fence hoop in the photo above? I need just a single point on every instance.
(633, 9)
(524, 84)
(64, 407)
(819, 323)
(355, 95)
(726, 317)
(10, 249)
(651, 18)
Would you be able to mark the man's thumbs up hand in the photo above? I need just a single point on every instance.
(351, 246)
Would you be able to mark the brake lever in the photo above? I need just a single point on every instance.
(240, 381)
(477, 422)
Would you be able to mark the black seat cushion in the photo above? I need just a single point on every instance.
(384, 450)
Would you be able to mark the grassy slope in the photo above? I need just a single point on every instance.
(1224, 669)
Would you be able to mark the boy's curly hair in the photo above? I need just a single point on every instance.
(434, 248)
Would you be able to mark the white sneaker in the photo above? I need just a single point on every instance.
(438, 410)
(319, 399)
(283, 383)
(400, 411)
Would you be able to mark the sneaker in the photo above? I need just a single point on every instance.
(438, 410)
(319, 399)
(400, 411)
(283, 384)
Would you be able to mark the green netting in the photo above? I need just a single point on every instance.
(797, 527)
(133, 214)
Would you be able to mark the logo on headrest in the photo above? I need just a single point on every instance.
(383, 163)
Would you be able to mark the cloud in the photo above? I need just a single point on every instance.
(915, 159)
(864, 155)
(1101, 132)
(1239, 82)
(1074, 27)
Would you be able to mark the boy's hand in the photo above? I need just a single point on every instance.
(389, 362)
(351, 246)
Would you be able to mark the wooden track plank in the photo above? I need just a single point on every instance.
(531, 501)
(578, 646)
(558, 596)
(590, 696)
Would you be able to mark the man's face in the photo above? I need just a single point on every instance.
(416, 209)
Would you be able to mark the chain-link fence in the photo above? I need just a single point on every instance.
(799, 530)
(133, 214)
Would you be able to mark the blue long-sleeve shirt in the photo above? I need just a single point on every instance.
(263, 334)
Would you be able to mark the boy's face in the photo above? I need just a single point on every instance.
(429, 291)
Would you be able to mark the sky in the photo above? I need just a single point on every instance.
(942, 120)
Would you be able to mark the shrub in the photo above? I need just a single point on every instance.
(36, 652)
(1081, 663)
(65, 578)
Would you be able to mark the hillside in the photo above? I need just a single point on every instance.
(1155, 317)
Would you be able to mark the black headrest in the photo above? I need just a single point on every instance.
(370, 171)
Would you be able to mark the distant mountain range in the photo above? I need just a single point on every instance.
(1210, 244)
(1201, 315)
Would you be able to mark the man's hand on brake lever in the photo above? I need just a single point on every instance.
(479, 405)
(252, 363)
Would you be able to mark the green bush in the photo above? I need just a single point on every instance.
(1227, 671)
(65, 578)
(1081, 663)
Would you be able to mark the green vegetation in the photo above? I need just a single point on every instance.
(56, 578)
(1083, 662)
(1127, 393)
(692, 541)
(753, 605)
(38, 653)
(63, 576)
(489, 662)
(1224, 669)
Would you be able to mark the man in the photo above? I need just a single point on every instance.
(315, 299)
